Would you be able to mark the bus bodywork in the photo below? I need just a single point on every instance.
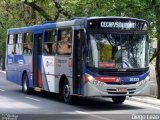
(109, 56)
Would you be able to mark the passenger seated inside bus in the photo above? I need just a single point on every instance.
(49, 48)
(27, 48)
(64, 46)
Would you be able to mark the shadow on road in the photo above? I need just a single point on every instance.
(86, 103)
(95, 104)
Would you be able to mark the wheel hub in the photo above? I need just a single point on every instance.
(25, 85)
(66, 91)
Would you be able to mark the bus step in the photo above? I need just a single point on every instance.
(37, 89)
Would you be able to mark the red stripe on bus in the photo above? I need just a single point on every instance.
(39, 78)
(106, 79)
(85, 79)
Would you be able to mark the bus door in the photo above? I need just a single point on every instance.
(37, 56)
(77, 62)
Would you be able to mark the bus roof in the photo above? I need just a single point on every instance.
(44, 26)
(74, 21)
(107, 17)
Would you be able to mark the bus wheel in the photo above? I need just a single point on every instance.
(25, 84)
(66, 93)
(118, 99)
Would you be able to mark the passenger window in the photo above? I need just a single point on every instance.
(19, 44)
(65, 42)
(27, 46)
(11, 44)
(10, 39)
(20, 38)
(50, 42)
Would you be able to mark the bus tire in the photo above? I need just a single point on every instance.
(118, 99)
(66, 93)
(25, 84)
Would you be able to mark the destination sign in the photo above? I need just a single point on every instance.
(117, 24)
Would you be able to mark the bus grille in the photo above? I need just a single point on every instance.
(119, 83)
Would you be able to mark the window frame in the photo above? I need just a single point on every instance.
(26, 43)
(59, 40)
(19, 43)
(12, 43)
(50, 42)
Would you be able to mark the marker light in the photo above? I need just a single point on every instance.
(94, 81)
(143, 82)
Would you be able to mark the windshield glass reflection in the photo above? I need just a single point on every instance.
(110, 50)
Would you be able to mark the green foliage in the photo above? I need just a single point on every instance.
(17, 13)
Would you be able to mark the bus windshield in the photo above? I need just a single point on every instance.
(117, 50)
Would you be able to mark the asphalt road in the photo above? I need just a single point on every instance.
(15, 104)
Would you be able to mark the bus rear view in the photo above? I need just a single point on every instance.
(116, 58)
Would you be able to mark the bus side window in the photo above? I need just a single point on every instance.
(27, 43)
(19, 48)
(50, 42)
(11, 44)
(65, 42)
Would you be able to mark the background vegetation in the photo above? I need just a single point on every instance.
(17, 13)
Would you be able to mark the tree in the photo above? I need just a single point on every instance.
(156, 8)
(17, 13)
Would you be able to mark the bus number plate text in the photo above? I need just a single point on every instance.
(121, 89)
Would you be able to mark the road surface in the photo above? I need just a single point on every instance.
(15, 104)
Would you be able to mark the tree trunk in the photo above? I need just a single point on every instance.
(158, 60)
(158, 71)
(0, 62)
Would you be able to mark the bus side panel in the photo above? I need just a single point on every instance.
(16, 64)
(10, 74)
(63, 66)
(52, 70)
(48, 73)
(11, 69)
(27, 66)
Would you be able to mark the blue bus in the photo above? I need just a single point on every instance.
(84, 56)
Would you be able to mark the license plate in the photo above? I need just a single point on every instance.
(121, 89)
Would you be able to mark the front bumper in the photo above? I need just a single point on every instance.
(110, 90)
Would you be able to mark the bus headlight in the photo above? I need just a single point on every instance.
(92, 80)
(143, 82)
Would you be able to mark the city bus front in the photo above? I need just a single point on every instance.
(116, 57)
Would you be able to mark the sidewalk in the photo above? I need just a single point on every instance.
(2, 71)
(153, 81)
(146, 99)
